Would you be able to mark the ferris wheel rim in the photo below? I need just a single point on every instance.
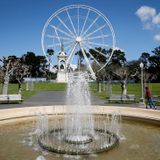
(89, 8)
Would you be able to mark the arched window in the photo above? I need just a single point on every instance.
(61, 67)
(62, 61)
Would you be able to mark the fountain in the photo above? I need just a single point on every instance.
(77, 133)
(71, 34)
(79, 130)
(22, 128)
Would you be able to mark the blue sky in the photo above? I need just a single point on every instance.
(22, 21)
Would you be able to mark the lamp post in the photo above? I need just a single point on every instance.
(142, 85)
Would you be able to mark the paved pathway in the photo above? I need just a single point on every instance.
(47, 98)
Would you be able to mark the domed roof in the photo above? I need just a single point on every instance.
(62, 53)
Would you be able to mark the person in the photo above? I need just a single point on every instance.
(149, 98)
(123, 86)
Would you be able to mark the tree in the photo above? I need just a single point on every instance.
(154, 60)
(50, 53)
(9, 65)
(38, 63)
(134, 69)
(99, 60)
(100, 75)
(95, 54)
(80, 59)
(124, 73)
(144, 58)
(21, 71)
(107, 73)
(118, 58)
(1, 73)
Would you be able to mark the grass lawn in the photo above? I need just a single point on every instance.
(116, 89)
(37, 87)
(131, 89)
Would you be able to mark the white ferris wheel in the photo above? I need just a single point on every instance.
(81, 29)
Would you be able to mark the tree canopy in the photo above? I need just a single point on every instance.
(39, 66)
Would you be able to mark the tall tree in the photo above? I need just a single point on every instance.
(118, 58)
(124, 73)
(144, 58)
(50, 53)
(154, 60)
(9, 65)
(21, 70)
(95, 54)
(80, 59)
(1, 73)
(38, 63)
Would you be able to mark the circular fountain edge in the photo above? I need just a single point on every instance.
(61, 150)
(14, 114)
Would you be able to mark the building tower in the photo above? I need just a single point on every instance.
(62, 74)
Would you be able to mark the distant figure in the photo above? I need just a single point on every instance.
(123, 86)
(149, 98)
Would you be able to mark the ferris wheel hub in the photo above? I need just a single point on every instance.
(78, 39)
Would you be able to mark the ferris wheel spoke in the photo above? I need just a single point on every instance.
(69, 46)
(58, 29)
(65, 48)
(58, 36)
(90, 26)
(71, 22)
(59, 44)
(70, 51)
(96, 37)
(98, 29)
(87, 61)
(91, 32)
(52, 45)
(85, 21)
(65, 26)
(71, 54)
(89, 46)
(78, 20)
(55, 36)
(98, 44)
(92, 55)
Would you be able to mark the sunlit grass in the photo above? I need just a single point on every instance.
(116, 89)
(37, 87)
(131, 89)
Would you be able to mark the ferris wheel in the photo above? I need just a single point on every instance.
(81, 30)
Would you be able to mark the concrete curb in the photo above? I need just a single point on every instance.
(8, 115)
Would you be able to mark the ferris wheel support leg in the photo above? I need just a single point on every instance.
(87, 61)
(71, 55)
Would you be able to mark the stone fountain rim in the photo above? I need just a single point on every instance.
(52, 149)
(14, 114)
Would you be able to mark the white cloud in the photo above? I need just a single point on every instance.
(156, 19)
(148, 25)
(150, 19)
(146, 13)
(157, 37)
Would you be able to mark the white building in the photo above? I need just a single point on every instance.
(62, 74)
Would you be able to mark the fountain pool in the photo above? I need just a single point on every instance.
(141, 140)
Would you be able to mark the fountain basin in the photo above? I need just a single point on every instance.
(15, 119)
